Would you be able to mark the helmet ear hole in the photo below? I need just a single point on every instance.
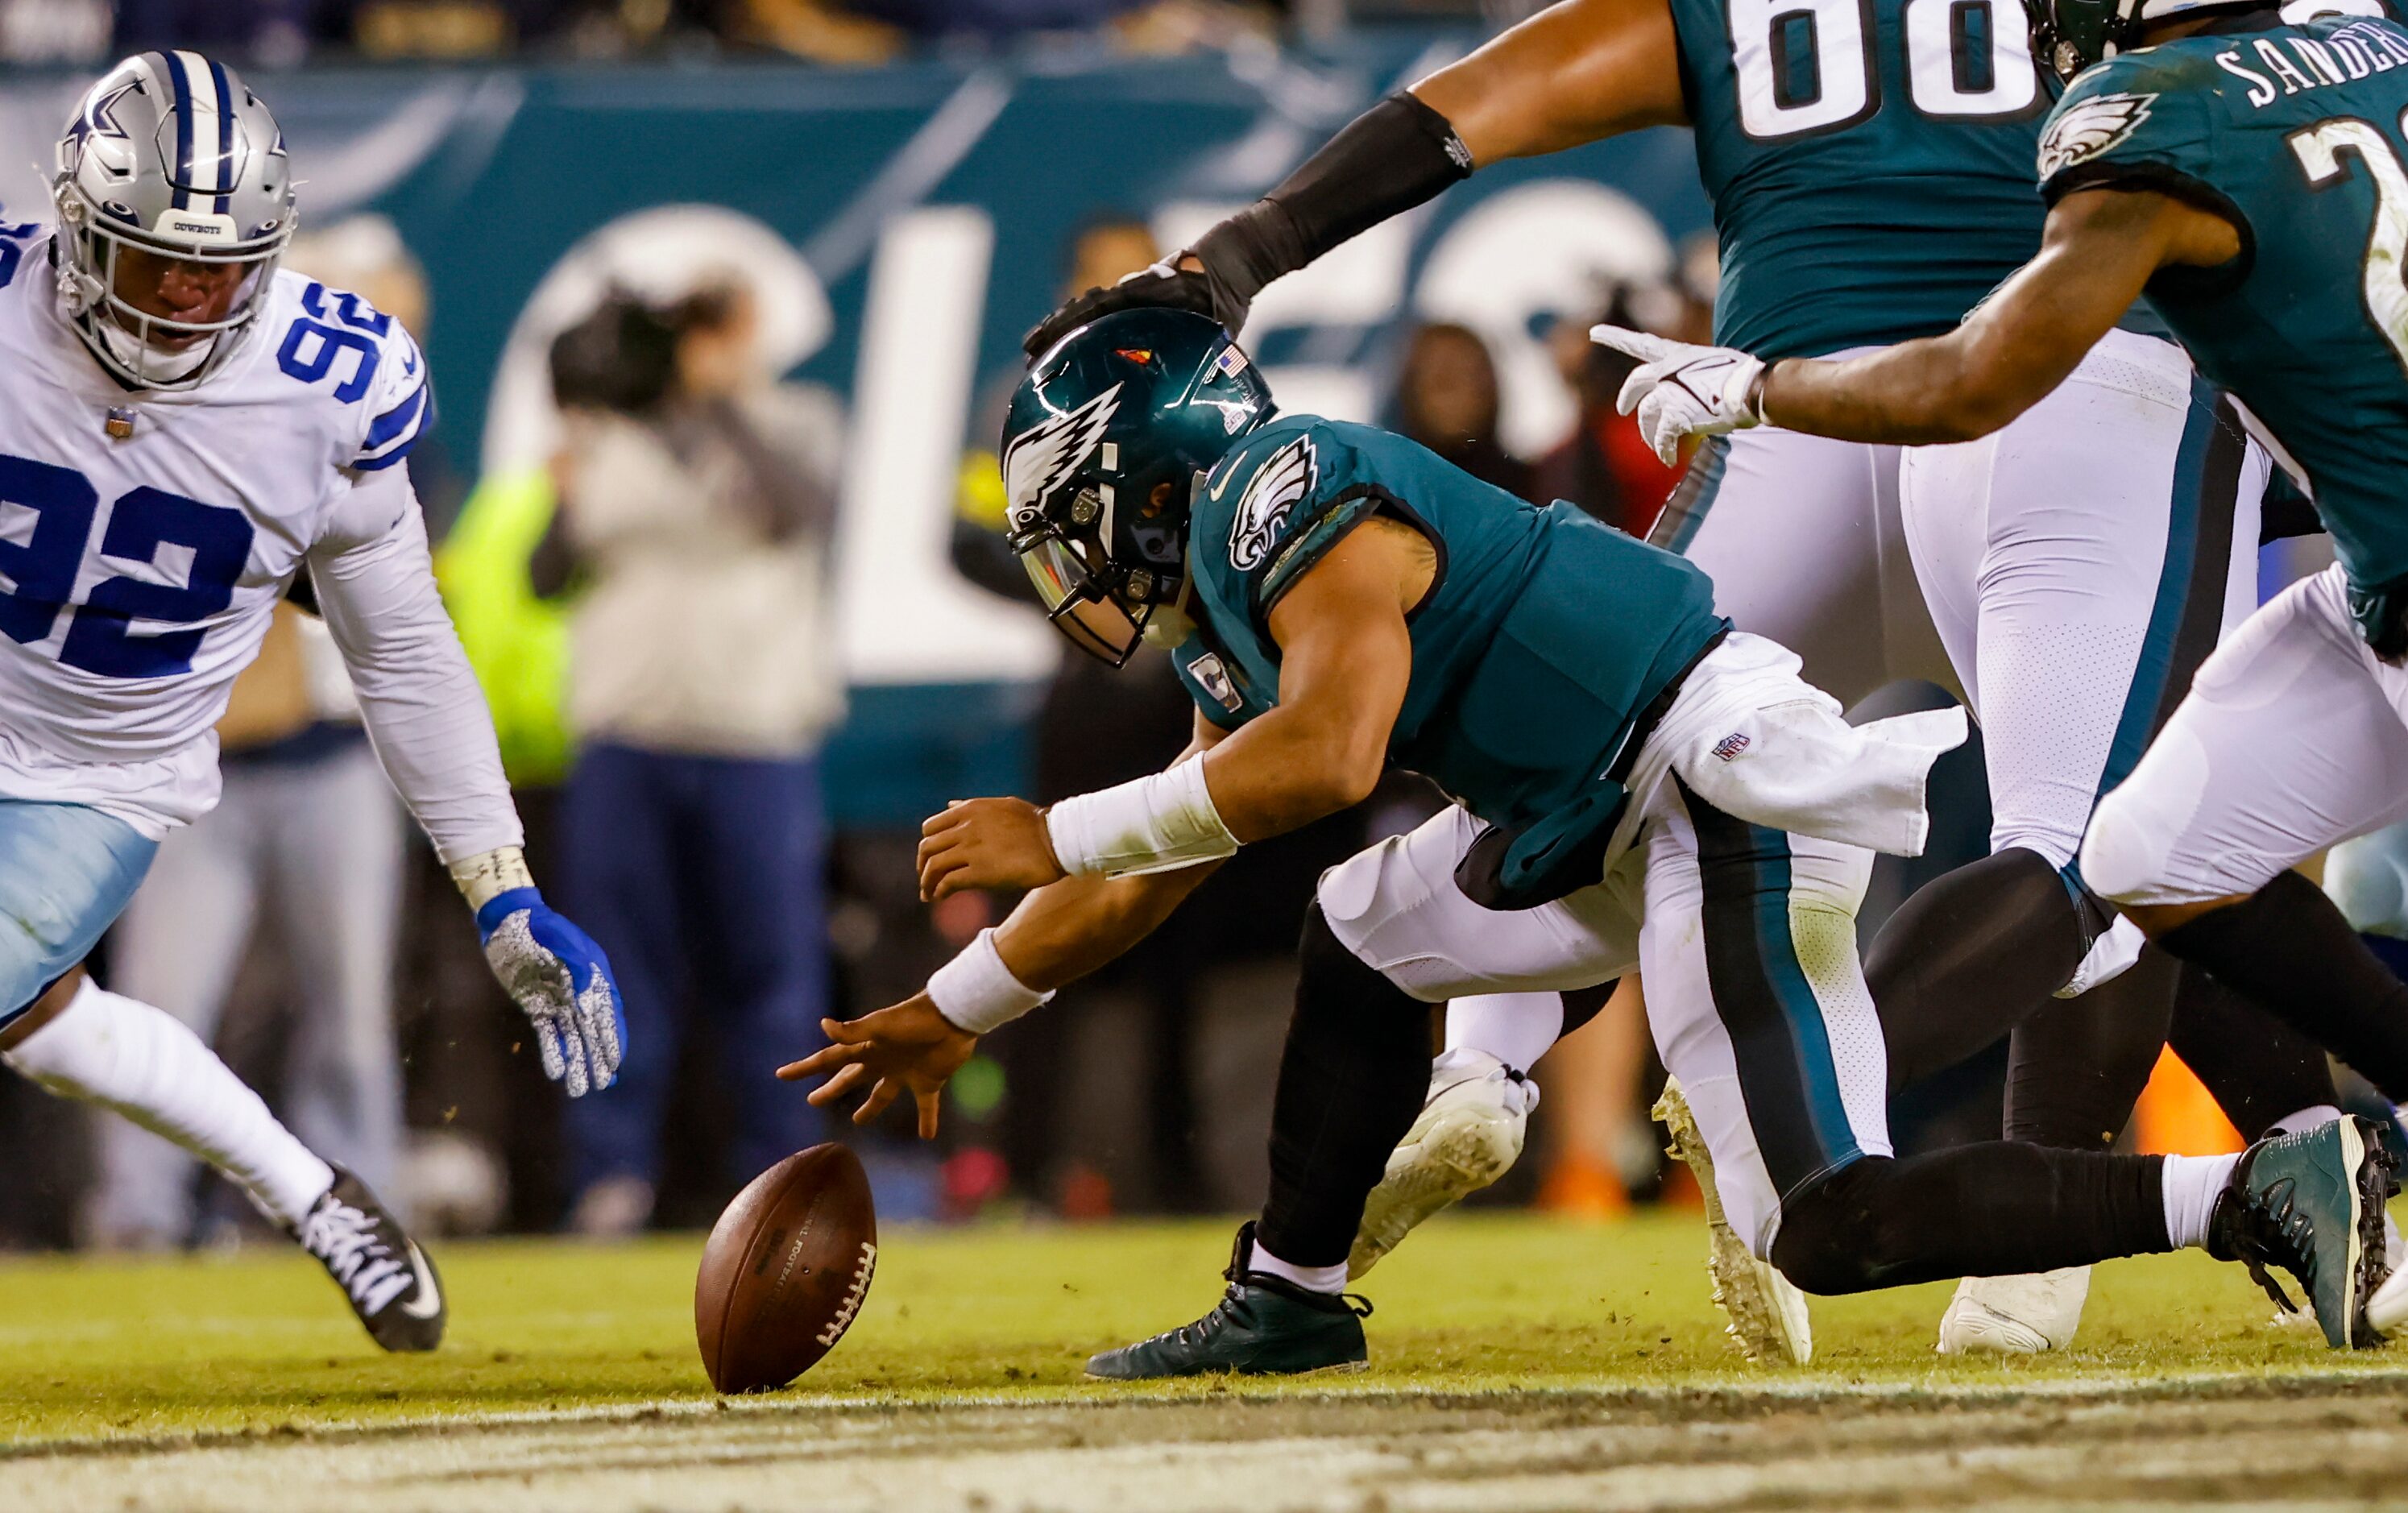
(1161, 497)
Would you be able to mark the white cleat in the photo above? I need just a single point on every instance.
(1469, 1134)
(2015, 1315)
(1767, 1314)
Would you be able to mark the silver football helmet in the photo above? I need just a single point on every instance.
(170, 154)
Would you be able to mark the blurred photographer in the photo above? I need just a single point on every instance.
(697, 498)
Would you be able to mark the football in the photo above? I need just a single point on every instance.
(786, 1270)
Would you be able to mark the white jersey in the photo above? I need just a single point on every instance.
(137, 572)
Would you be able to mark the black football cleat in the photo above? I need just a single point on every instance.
(1264, 1326)
(387, 1279)
(2311, 1203)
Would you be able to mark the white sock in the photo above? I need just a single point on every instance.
(2192, 1185)
(144, 1063)
(1330, 1279)
(1516, 1028)
(2305, 1119)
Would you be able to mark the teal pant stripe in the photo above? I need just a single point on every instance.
(1782, 1049)
(1686, 512)
(2189, 611)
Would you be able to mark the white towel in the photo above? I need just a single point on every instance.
(1757, 741)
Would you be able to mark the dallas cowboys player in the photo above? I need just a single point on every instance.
(184, 428)
(1635, 782)
(2246, 168)
(1868, 166)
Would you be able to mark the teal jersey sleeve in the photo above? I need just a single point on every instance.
(2139, 120)
(1273, 507)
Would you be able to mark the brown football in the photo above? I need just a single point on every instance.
(786, 1270)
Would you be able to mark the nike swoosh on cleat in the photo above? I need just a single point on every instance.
(429, 1299)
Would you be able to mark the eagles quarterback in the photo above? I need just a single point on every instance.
(1869, 165)
(2246, 168)
(183, 428)
(1638, 785)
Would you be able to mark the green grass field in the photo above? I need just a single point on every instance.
(203, 1356)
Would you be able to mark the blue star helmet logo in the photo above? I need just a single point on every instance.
(99, 120)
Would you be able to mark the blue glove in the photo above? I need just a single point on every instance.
(562, 981)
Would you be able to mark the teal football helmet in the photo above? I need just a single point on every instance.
(1102, 448)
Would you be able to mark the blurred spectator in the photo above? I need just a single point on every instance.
(306, 840)
(1604, 465)
(697, 496)
(1447, 399)
(278, 33)
(54, 31)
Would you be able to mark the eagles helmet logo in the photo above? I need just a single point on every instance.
(1284, 478)
(2086, 130)
(1040, 458)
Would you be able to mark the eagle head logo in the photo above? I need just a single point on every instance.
(1037, 461)
(2082, 131)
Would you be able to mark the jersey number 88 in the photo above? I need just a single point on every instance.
(1806, 65)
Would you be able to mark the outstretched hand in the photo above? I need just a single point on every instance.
(1681, 389)
(982, 843)
(910, 1047)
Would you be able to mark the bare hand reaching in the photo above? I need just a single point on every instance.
(909, 1047)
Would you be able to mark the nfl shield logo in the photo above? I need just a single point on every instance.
(1730, 745)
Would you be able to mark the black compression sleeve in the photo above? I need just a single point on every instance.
(1396, 155)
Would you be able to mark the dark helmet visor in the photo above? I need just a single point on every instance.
(1076, 600)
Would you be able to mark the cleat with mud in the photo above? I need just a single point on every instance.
(1767, 1314)
(1469, 1134)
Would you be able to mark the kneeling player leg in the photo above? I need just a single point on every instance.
(1992, 1209)
(1761, 1012)
(2290, 740)
(2076, 1068)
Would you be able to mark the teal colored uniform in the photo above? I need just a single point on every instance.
(1544, 638)
(1869, 162)
(2293, 132)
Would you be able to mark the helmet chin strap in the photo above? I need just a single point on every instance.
(151, 362)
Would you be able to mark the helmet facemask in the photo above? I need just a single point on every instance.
(1105, 600)
(134, 344)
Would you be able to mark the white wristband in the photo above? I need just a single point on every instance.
(1155, 823)
(976, 991)
(497, 871)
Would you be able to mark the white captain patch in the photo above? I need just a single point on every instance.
(2091, 128)
(1284, 478)
(1040, 458)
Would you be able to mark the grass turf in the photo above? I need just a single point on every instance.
(150, 1349)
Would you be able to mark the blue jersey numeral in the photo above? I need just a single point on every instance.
(12, 248)
(322, 335)
(42, 568)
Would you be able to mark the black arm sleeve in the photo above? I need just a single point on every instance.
(1398, 154)
(1392, 157)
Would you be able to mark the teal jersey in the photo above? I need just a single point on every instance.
(1545, 637)
(1869, 162)
(2293, 132)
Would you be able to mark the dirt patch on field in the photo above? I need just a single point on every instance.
(2292, 1443)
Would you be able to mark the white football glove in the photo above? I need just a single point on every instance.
(1684, 390)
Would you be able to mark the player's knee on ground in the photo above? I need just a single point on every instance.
(1843, 1232)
